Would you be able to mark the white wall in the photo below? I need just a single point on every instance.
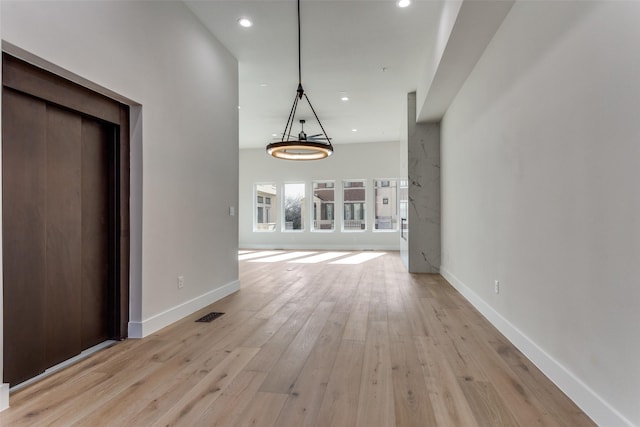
(540, 173)
(184, 171)
(349, 161)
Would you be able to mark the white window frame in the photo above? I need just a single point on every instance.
(392, 202)
(272, 208)
(303, 208)
(312, 219)
(365, 220)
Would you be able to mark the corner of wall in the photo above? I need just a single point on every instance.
(4, 388)
(4, 396)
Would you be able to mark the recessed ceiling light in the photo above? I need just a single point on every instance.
(354, 130)
(344, 98)
(403, 3)
(263, 85)
(274, 134)
(245, 22)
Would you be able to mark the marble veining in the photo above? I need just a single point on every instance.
(423, 174)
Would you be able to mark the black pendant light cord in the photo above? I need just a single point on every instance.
(288, 128)
(299, 49)
(318, 120)
(300, 90)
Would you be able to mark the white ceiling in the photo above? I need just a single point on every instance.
(372, 51)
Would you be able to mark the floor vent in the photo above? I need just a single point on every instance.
(209, 317)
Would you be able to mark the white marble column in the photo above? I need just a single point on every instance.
(420, 242)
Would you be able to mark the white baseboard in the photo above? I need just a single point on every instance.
(159, 321)
(590, 402)
(4, 396)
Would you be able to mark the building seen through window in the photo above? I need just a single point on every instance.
(323, 205)
(266, 215)
(286, 207)
(354, 203)
(386, 204)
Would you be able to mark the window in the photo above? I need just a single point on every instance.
(323, 203)
(354, 200)
(386, 210)
(294, 199)
(265, 219)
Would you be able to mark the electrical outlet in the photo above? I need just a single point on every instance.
(180, 282)
(496, 286)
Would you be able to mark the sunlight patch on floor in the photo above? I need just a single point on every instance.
(257, 255)
(244, 252)
(359, 258)
(320, 257)
(283, 257)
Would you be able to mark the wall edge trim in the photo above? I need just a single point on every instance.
(180, 311)
(4, 396)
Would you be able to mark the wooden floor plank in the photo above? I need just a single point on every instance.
(343, 389)
(447, 398)
(411, 398)
(343, 291)
(304, 401)
(271, 351)
(263, 410)
(282, 376)
(376, 401)
(195, 363)
(233, 401)
(356, 328)
(310, 344)
(116, 411)
(486, 404)
(195, 402)
(564, 411)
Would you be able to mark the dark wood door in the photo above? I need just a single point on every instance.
(98, 267)
(23, 234)
(56, 226)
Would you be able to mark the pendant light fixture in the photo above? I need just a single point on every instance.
(312, 147)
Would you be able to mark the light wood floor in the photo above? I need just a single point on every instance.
(310, 344)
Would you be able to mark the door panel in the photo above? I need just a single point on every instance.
(65, 213)
(95, 232)
(64, 219)
(23, 233)
(56, 227)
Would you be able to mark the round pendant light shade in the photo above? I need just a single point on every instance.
(299, 150)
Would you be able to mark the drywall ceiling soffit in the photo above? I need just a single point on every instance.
(475, 25)
(370, 50)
